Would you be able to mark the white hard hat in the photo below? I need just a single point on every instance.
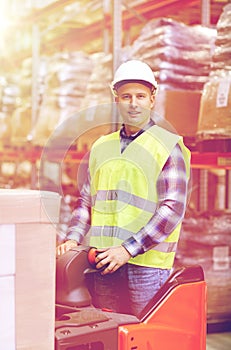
(134, 70)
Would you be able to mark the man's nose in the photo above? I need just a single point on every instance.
(133, 101)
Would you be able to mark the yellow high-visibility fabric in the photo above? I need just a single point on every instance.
(123, 189)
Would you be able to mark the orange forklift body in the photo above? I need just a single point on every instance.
(179, 322)
(174, 319)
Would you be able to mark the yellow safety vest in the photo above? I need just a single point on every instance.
(123, 190)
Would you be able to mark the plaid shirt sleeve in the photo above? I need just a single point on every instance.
(81, 215)
(172, 198)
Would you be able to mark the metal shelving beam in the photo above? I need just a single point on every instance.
(205, 13)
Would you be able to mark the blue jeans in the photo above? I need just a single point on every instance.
(129, 289)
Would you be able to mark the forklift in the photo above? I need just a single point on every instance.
(174, 319)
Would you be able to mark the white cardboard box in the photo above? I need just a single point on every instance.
(28, 222)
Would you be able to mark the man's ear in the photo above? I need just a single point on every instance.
(116, 99)
(152, 101)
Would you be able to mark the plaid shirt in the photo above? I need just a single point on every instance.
(172, 198)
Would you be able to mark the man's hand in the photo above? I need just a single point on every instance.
(113, 257)
(64, 247)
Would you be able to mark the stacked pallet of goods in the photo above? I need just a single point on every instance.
(205, 237)
(214, 127)
(180, 56)
(206, 240)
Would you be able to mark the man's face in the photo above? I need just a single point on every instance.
(135, 102)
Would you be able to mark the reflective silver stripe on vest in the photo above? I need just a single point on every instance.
(110, 231)
(125, 197)
(114, 231)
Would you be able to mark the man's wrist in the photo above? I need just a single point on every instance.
(132, 247)
(70, 241)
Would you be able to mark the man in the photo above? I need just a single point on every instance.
(135, 198)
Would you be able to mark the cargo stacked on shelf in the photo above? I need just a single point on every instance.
(22, 115)
(180, 56)
(9, 99)
(206, 240)
(214, 127)
(76, 106)
(65, 85)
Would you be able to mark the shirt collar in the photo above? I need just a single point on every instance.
(123, 134)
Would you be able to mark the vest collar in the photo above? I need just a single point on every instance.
(123, 134)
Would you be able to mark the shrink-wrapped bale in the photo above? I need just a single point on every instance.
(5, 129)
(65, 87)
(180, 55)
(22, 113)
(206, 240)
(98, 91)
(97, 104)
(221, 58)
(10, 97)
(22, 116)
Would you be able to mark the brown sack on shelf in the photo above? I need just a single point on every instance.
(215, 108)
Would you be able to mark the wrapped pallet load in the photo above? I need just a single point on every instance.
(214, 128)
(65, 87)
(221, 58)
(22, 115)
(206, 240)
(96, 106)
(9, 98)
(180, 57)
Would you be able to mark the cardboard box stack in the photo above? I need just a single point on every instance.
(28, 221)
